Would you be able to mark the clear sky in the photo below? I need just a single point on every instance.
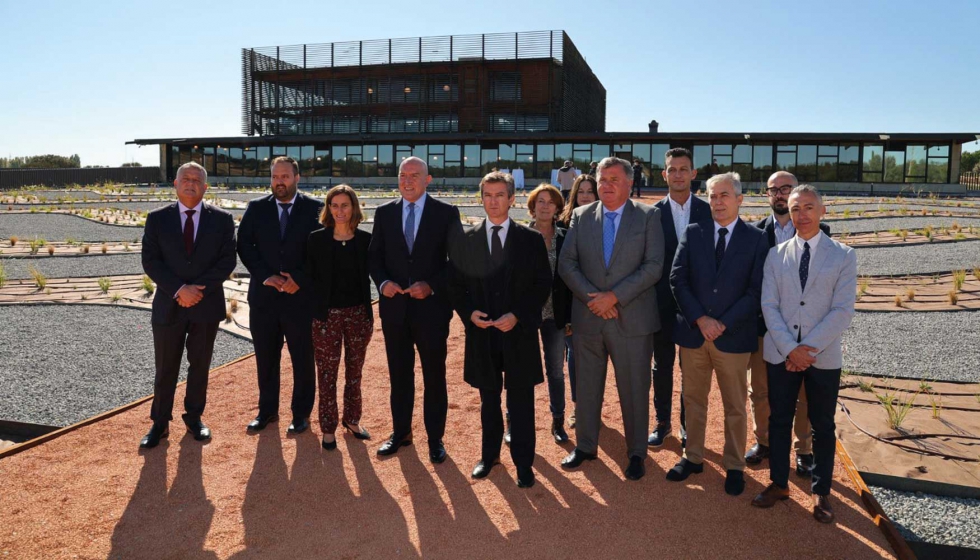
(85, 77)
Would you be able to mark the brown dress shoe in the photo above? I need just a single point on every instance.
(772, 494)
(822, 510)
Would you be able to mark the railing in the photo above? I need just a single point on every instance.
(971, 181)
(15, 178)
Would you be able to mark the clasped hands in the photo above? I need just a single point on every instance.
(800, 358)
(504, 323)
(283, 282)
(603, 304)
(418, 290)
(189, 295)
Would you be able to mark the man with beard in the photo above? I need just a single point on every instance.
(778, 228)
(272, 246)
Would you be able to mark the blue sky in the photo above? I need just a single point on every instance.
(85, 77)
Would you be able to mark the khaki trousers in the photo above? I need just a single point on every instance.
(696, 367)
(759, 398)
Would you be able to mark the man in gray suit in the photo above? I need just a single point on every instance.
(808, 296)
(612, 257)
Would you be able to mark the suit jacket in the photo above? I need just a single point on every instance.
(319, 264)
(636, 265)
(729, 293)
(821, 312)
(166, 262)
(521, 288)
(767, 225)
(389, 259)
(264, 254)
(700, 214)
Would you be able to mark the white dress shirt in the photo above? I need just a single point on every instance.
(419, 205)
(813, 241)
(504, 227)
(728, 237)
(681, 214)
(292, 201)
(783, 234)
(619, 217)
(196, 218)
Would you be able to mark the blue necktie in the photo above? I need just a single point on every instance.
(720, 247)
(283, 219)
(804, 265)
(608, 236)
(410, 227)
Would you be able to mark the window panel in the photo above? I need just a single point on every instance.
(894, 166)
(873, 158)
(786, 161)
(251, 162)
(762, 162)
(386, 160)
(938, 170)
(742, 154)
(340, 161)
(702, 160)
(827, 168)
(600, 151)
(722, 150)
(938, 151)
(915, 163)
(806, 163)
(848, 154)
(262, 154)
(235, 162)
(848, 173)
(827, 150)
(321, 163)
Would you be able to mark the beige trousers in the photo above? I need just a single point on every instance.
(759, 399)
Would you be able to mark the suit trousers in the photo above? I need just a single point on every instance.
(759, 400)
(401, 340)
(520, 409)
(553, 344)
(631, 357)
(821, 386)
(168, 347)
(696, 367)
(664, 353)
(271, 327)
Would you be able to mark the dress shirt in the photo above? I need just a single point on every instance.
(619, 216)
(783, 233)
(813, 241)
(196, 218)
(681, 214)
(502, 234)
(728, 237)
(292, 202)
(419, 204)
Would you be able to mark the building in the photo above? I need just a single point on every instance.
(350, 112)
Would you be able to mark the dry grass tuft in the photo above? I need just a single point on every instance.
(104, 284)
(50, 249)
(898, 301)
(910, 294)
(954, 298)
(13, 240)
(40, 280)
(959, 277)
(104, 248)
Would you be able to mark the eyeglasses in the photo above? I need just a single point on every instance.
(785, 189)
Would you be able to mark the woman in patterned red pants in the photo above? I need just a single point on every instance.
(337, 260)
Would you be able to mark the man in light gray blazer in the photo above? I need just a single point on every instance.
(612, 257)
(808, 294)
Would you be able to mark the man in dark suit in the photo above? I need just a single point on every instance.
(189, 251)
(272, 245)
(408, 263)
(778, 228)
(716, 279)
(500, 279)
(678, 209)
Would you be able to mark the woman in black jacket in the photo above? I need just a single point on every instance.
(337, 260)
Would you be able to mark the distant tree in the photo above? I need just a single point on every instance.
(970, 161)
(132, 164)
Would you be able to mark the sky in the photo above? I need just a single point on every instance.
(85, 77)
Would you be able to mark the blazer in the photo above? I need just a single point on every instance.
(767, 224)
(729, 293)
(264, 254)
(636, 265)
(319, 265)
(521, 288)
(820, 313)
(561, 296)
(389, 259)
(700, 214)
(166, 262)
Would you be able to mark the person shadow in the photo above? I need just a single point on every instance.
(154, 517)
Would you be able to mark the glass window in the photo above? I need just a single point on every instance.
(785, 147)
(806, 163)
(221, 162)
(208, 161)
(278, 151)
(761, 162)
(721, 164)
(321, 163)
(849, 173)
(294, 152)
(742, 154)
(642, 152)
(873, 158)
(658, 154)
(401, 154)
(262, 154)
(488, 159)
(421, 151)
(235, 166)
(938, 170)
(600, 151)
(723, 150)
(386, 159)
(786, 161)
(369, 160)
(436, 162)
(938, 151)
(702, 160)
(340, 161)
(827, 168)
(915, 164)
(251, 163)
(306, 161)
(562, 152)
(546, 152)
(827, 150)
(197, 156)
(506, 156)
(471, 160)
(894, 166)
(848, 154)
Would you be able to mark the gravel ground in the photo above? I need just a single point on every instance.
(58, 227)
(931, 518)
(918, 259)
(867, 225)
(80, 267)
(934, 345)
(60, 365)
(870, 206)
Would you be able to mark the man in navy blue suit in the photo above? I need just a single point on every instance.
(678, 209)
(717, 282)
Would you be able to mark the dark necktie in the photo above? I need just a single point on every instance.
(283, 219)
(804, 265)
(410, 227)
(189, 232)
(496, 247)
(720, 247)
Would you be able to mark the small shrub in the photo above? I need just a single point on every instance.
(40, 280)
(954, 298)
(116, 297)
(898, 301)
(959, 277)
(13, 240)
(233, 305)
(104, 284)
(147, 285)
(228, 317)
(924, 386)
(85, 248)
(104, 248)
(36, 244)
(936, 403)
(866, 386)
(84, 297)
(897, 409)
(3, 275)
(910, 294)
(863, 284)
(126, 246)
(71, 241)
(904, 234)
(50, 249)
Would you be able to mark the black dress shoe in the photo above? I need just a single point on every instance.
(393, 444)
(756, 454)
(298, 426)
(261, 422)
(482, 469)
(328, 445)
(636, 469)
(734, 483)
(684, 469)
(558, 429)
(576, 458)
(507, 430)
(197, 429)
(153, 437)
(658, 436)
(804, 465)
(363, 434)
(525, 477)
(437, 452)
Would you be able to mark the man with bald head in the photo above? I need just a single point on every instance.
(778, 228)
(408, 263)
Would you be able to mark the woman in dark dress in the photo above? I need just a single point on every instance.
(337, 260)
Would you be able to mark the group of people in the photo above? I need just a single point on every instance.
(596, 276)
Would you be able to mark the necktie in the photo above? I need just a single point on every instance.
(720, 247)
(189, 232)
(496, 247)
(804, 265)
(608, 236)
(410, 227)
(283, 219)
